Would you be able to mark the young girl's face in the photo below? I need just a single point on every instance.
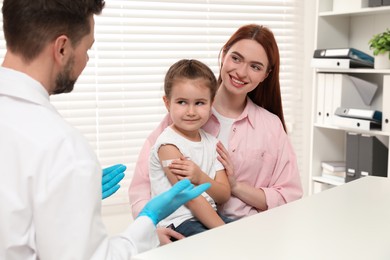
(244, 67)
(189, 106)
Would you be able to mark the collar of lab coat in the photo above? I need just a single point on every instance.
(21, 86)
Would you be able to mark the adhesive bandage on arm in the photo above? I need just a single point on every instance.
(166, 163)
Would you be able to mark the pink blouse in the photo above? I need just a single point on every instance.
(260, 151)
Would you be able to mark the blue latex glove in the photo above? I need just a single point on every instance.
(166, 203)
(111, 178)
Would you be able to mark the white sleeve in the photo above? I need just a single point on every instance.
(141, 235)
(67, 210)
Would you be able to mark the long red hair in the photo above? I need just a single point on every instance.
(267, 93)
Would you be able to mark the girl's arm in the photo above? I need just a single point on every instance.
(202, 210)
(187, 169)
(200, 207)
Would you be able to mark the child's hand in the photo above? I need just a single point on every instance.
(186, 169)
(166, 234)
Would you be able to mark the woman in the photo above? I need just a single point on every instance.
(247, 118)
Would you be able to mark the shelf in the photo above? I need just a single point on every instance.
(372, 132)
(327, 181)
(349, 25)
(360, 12)
(365, 71)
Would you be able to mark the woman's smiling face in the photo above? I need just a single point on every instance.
(244, 66)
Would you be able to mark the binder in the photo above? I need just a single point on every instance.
(373, 156)
(340, 63)
(375, 3)
(354, 123)
(352, 157)
(349, 53)
(386, 104)
(328, 99)
(365, 155)
(366, 114)
(335, 90)
(320, 98)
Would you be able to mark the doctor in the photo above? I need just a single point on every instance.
(50, 187)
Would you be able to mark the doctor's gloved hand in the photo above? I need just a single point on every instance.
(111, 177)
(166, 203)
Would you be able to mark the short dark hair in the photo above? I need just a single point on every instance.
(29, 25)
(190, 69)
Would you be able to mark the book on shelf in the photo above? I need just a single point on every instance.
(367, 114)
(343, 53)
(326, 172)
(340, 63)
(333, 177)
(333, 166)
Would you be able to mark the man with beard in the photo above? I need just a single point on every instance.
(50, 188)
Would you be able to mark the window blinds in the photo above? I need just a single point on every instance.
(117, 100)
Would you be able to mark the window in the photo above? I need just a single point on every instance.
(117, 100)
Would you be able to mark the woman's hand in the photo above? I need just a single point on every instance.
(184, 168)
(224, 158)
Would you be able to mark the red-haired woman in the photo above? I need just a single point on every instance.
(247, 118)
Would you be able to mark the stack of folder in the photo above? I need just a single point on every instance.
(342, 58)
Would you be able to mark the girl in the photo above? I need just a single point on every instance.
(190, 88)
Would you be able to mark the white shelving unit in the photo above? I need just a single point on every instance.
(350, 28)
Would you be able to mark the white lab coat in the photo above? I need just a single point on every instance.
(50, 184)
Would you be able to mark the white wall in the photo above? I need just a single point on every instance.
(309, 18)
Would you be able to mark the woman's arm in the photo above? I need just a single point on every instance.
(250, 195)
(245, 192)
(200, 207)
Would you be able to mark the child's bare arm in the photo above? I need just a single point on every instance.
(202, 210)
(187, 169)
(200, 207)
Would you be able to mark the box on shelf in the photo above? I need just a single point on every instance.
(346, 6)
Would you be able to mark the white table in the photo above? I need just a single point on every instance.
(351, 221)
